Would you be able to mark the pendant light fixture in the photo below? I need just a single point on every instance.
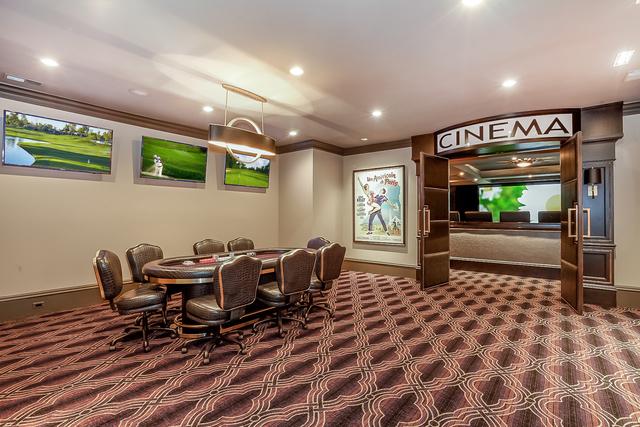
(235, 139)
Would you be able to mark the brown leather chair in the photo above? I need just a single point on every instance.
(328, 268)
(235, 285)
(478, 216)
(317, 243)
(549, 217)
(515, 216)
(141, 300)
(138, 256)
(240, 244)
(293, 278)
(208, 246)
(454, 216)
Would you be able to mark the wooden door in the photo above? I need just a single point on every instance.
(433, 220)
(572, 222)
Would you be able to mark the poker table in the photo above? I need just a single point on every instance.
(192, 276)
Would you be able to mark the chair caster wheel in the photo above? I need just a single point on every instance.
(146, 347)
(112, 347)
(241, 336)
(184, 350)
(281, 334)
(206, 361)
(304, 326)
(173, 336)
(243, 352)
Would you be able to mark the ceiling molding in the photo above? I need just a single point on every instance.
(308, 145)
(630, 108)
(382, 146)
(44, 99)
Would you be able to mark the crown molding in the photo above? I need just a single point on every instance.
(44, 99)
(348, 151)
(630, 108)
(382, 146)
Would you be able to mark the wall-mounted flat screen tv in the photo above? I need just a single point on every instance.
(522, 197)
(177, 161)
(39, 142)
(245, 173)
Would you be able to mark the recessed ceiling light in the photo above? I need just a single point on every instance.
(634, 74)
(461, 174)
(475, 179)
(293, 133)
(49, 62)
(376, 113)
(530, 176)
(523, 163)
(14, 78)
(207, 109)
(138, 92)
(471, 3)
(296, 71)
(364, 139)
(623, 58)
(509, 83)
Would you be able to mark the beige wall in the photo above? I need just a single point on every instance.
(406, 255)
(328, 211)
(52, 226)
(296, 198)
(627, 205)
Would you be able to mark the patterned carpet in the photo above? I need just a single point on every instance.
(485, 350)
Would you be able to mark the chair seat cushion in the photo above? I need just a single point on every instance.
(269, 292)
(140, 299)
(206, 308)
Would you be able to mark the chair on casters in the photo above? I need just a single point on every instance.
(143, 300)
(137, 257)
(317, 243)
(328, 267)
(293, 278)
(240, 244)
(208, 246)
(235, 285)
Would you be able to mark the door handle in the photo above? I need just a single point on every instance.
(588, 211)
(569, 217)
(426, 220)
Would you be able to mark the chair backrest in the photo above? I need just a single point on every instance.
(329, 263)
(549, 216)
(240, 244)
(294, 270)
(317, 243)
(454, 216)
(208, 246)
(138, 256)
(106, 266)
(235, 283)
(478, 216)
(515, 216)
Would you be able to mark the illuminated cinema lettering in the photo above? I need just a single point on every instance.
(531, 127)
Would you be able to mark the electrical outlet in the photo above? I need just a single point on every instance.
(38, 304)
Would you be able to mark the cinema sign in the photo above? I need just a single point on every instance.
(540, 127)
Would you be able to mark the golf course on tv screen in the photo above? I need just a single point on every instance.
(240, 172)
(162, 159)
(38, 142)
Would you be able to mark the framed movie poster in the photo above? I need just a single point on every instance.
(379, 206)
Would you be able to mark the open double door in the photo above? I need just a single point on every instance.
(433, 221)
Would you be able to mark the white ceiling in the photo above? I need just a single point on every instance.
(425, 64)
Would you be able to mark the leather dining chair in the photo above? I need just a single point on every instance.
(235, 284)
(141, 300)
(329, 261)
(293, 278)
(317, 243)
(208, 246)
(240, 244)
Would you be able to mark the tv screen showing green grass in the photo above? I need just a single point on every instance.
(177, 161)
(524, 197)
(39, 142)
(243, 172)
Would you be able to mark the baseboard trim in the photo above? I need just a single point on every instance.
(540, 271)
(16, 307)
(376, 267)
(628, 296)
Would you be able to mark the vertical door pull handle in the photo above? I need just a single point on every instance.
(588, 211)
(426, 220)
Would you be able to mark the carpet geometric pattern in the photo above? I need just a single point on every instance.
(485, 350)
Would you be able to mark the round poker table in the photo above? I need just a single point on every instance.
(192, 276)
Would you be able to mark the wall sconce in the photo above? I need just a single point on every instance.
(593, 177)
